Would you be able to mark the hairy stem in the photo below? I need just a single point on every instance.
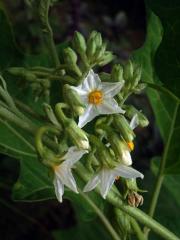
(103, 218)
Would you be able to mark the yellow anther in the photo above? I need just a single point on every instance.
(95, 97)
(130, 145)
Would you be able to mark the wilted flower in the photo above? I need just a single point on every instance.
(62, 173)
(97, 97)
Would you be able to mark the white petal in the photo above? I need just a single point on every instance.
(128, 172)
(59, 188)
(111, 89)
(80, 90)
(109, 106)
(126, 157)
(89, 114)
(92, 183)
(66, 177)
(72, 156)
(134, 122)
(91, 82)
(107, 178)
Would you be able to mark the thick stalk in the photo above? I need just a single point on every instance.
(137, 230)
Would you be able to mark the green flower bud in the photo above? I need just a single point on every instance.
(100, 52)
(117, 73)
(120, 148)
(128, 71)
(98, 40)
(139, 88)
(105, 77)
(131, 111)
(122, 125)
(70, 57)
(79, 42)
(107, 58)
(76, 134)
(73, 99)
(137, 75)
(91, 48)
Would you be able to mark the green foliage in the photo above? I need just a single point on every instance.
(165, 105)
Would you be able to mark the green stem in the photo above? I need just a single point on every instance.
(103, 218)
(47, 31)
(139, 233)
(160, 175)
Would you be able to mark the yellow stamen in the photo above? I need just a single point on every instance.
(130, 145)
(95, 97)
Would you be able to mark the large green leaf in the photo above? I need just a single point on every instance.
(165, 106)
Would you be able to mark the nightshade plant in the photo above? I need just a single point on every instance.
(83, 140)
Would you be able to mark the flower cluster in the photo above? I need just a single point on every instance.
(93, 119)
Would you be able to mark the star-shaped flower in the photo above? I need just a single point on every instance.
(106, 177)
(97, 97)
(62, 173)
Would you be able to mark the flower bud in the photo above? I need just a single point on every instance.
(142, 119)
(70, 57)
(128, 71)
(117, 73)
(107, 58)
(100, 52)
(79, 42)
(139, 88)
(73, 99)
(91, 48)
(120, 149)
(122, 125)
(77, 135)
(98, 40)
(137, 75)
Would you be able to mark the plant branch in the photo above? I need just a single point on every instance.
(103, 218)
(160, 175)
(137, 230)
(47, 31)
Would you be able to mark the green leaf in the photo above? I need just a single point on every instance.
(165, 105)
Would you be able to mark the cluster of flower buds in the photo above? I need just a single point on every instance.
(39, 82)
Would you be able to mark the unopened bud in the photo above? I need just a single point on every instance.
(91, 48)
(139, 88)
(137, 75)
(107, 58)
(142, 119)
(117, 73)
(79, 42)
(128, 71)
(122, 125)
(70, 57)
(73, 99)
(77, 135)
(98, 40)
(120, 148)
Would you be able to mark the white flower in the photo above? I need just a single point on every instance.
(106, 177)
(97, 97)
(62, 173)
